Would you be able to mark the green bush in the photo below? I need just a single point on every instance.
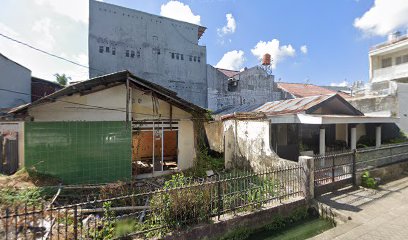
(182, 206)
(367, 181)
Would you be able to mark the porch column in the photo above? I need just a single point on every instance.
(322, 141)
(353, 141)
(378, 136)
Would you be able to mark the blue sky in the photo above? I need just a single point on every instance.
(337, 44)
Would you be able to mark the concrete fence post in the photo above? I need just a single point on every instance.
(307, 176)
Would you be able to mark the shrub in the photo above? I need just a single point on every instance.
(367, 181)
(178, 207)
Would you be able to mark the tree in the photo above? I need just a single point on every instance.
(62, 79)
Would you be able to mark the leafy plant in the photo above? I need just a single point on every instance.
(181, 206)
(367, 181)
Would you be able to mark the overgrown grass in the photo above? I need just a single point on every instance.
(205, 161)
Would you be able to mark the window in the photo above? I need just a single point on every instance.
(398, 60)
(181, 56)
(190, 58)
(107, 49)
(251, 87)
(405, 58)
(132, 54)
(138, 53)
(127, 53)
(386, 62)
(198, 59)
(195, 59)
(101, 49)
(113, 51)
(172, 55)
(158, 51)
(177, 56)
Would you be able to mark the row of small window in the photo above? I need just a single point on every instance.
(180, 56)
(387, 62)
(128, 53)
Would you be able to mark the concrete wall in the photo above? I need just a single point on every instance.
(342, 132)
(16, 78)
(254, 86)
(215, 135)
(114, 98)
(402, 99)
(369, 104)
(19, 128)
(186, 148)
(247, 145)
(154, 40)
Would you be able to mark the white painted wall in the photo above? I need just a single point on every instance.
(16, 78)
(402, 96)
(113, 98)
(142, 108)
(186, 148)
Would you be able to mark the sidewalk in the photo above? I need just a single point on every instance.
(375, 214)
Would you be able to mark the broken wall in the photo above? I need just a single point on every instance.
(247, 145)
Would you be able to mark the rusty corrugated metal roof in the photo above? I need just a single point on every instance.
(228, 73)
(300, 90)
(291, 106)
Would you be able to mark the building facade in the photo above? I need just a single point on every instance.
(162, 50)
(228, 88)
(16, 78)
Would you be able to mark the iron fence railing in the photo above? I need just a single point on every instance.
(381, 156)
(182, 201)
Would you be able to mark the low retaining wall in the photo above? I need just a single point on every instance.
(248, 220)
(386, 174)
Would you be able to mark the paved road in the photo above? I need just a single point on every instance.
(375, 214)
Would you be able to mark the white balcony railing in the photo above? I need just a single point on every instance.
(390, 73)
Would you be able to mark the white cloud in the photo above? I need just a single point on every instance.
(277, 52)
(47, 29)
(304, 49)
(74, 9)
(229, 28)
(43, 27)
(7, 30)
(233, 60)
(179, 11)
(384, 17)
(340, 84)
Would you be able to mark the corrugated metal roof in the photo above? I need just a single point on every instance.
(306, 90)
(117, 77)
(228, 73)
(290, 106)
(296, 105)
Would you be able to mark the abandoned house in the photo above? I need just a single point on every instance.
(109, 128)
(261, 136)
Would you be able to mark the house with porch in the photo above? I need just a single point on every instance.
(109, 128)
(290, 128)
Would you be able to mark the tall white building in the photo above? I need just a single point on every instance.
(389, 64)
(159, 49)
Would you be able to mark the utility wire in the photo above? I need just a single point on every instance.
(94, 107)
(49, 54)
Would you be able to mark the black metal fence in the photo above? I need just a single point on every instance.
(333, 171)
(182, 201)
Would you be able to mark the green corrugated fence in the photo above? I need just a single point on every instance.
(80, 152)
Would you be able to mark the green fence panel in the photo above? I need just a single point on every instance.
(80, 152)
